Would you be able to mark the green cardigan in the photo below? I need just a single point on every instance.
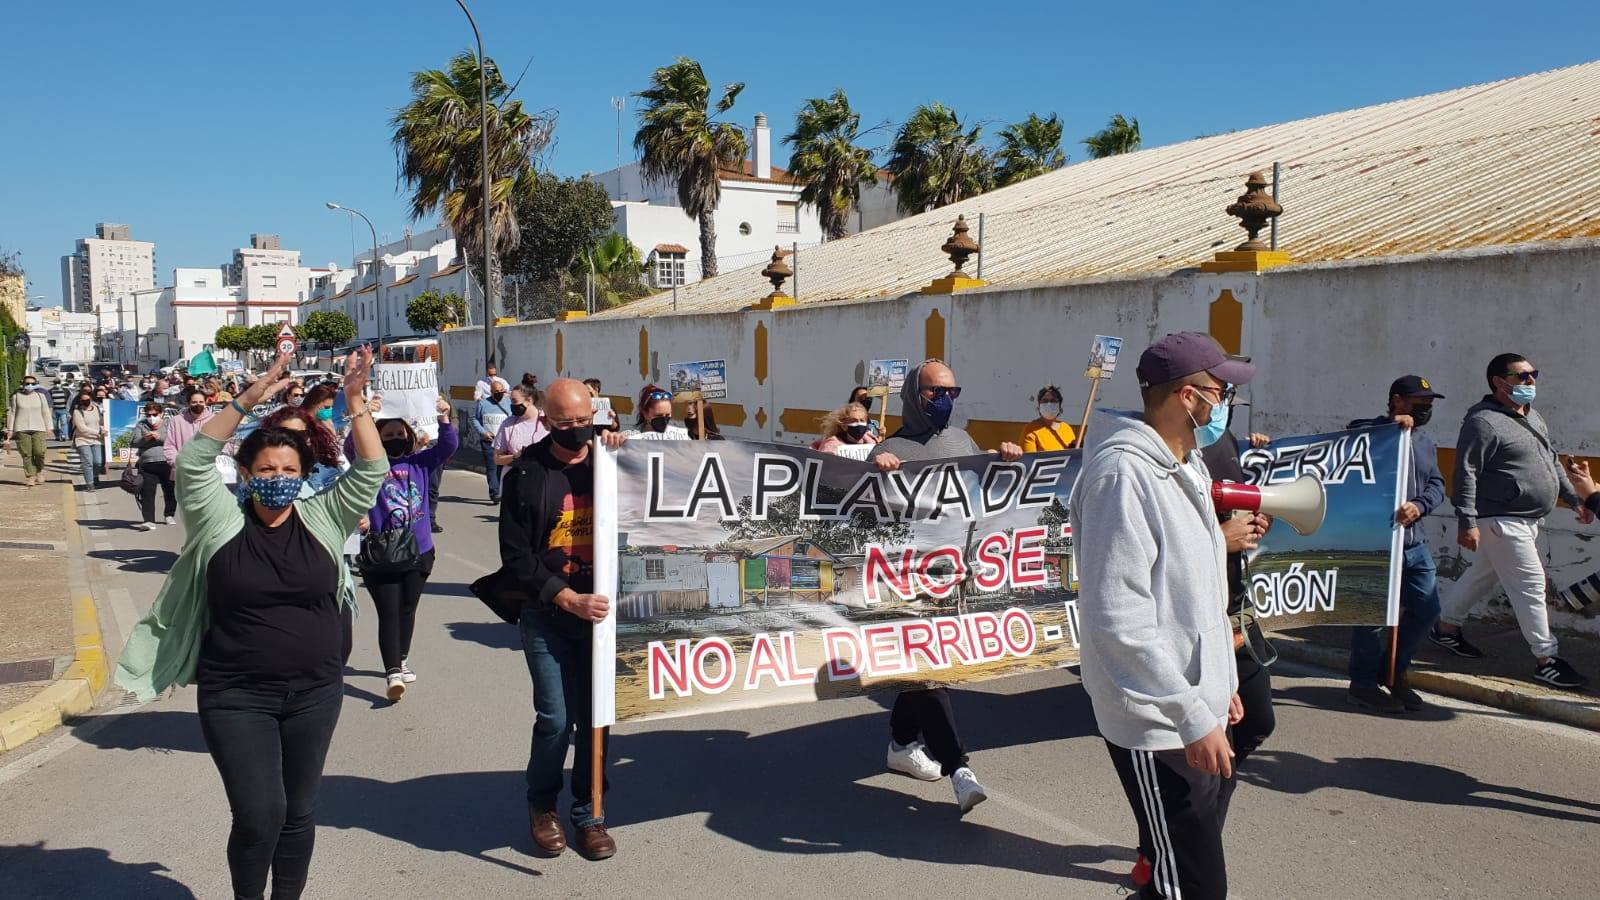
(165, 646)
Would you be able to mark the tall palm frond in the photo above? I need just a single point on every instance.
(936, 160)
(1120, 135)
(1028, 148)
(827, 161)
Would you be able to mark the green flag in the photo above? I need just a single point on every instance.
(203, 364)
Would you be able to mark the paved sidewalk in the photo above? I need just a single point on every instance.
(51, 661)
(1503, 678)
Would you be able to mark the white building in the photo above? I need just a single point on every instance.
(760, 209)
(104, 266)
(264, 250)
(425, 261)
(65, 335)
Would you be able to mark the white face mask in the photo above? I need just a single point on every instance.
(1050, 410)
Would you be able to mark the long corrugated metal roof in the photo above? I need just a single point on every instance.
(1506, 162)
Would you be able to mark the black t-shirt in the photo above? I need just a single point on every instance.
(1222, 459)
(569, 508)
(272, 593)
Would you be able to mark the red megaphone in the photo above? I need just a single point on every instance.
(1303, 503)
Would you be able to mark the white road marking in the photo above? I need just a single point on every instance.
(123, 611)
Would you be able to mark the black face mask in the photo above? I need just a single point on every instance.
(496, 397)
(855, 432)
(397, 447)
(519, 409)
(1421, 414)
(659, 424)
(693, 426)
(866, 403)
(573, 439)
(197, 408)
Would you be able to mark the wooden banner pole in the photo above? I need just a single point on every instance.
(597, 761)
(1088, 407)
(1394, 650)
(700, 419)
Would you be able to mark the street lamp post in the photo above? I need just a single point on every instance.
(483, 161)
(377, 269)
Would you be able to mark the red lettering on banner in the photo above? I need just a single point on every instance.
(703, 680)
(883, 651)
(833, 641)
(672, 668)
(1010, 620)
(985, 629)
(1025, 549)
(991, 557)
(918, 638)
(763, 661)
(897, 577)
(932, 583)
(950, 641)
(791, 659)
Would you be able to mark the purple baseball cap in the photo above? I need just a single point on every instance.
(1186, 353)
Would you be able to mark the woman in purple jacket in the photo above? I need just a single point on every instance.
(403, 504)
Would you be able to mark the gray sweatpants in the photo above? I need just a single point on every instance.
(1507, 558)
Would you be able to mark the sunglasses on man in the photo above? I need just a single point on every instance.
(938, 390)
(1528, 377)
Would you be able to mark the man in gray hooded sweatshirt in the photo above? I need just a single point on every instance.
(1157, 647)
(923, 741)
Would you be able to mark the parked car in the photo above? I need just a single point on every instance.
(46, 365)
(309, 377)
(68, 373)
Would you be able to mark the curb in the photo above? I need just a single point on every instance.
(74, 692)
(1499, 694)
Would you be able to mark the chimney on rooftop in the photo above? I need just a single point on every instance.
(761, 149)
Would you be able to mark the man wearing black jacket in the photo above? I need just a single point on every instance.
(547, 544)
(1411, 400)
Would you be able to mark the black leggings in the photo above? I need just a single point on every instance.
(396, 598)
(269, 746)
(926, 714)
(157, 475)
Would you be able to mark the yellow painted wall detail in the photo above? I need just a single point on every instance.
(932, 336)
(1246, 261)
(568, 315)
(620, 404)
(991, 433)
(761, 353)
(761, 417)
(951, 283)
(772, 301)
(1227, 321)
(799, 421)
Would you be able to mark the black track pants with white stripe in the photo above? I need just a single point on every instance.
(1180, 812)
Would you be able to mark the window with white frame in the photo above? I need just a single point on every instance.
(788, 217)
(269, 281)
(669, 269)
(655, 570)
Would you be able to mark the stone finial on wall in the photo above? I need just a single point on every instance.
(1254, 209)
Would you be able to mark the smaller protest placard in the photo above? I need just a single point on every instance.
(707, 377)
(1103, 355)
(887, 373)
(410, 391)
(122, 429)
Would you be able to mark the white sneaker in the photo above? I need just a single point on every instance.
(912, 759)
(146, 526)
(969, 792)
(397, 686)
(171, 521)
(406, 674)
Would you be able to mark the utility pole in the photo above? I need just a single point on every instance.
(617, 103)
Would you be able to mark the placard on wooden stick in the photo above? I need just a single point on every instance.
(1103, 355)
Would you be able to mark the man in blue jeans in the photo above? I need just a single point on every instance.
(487, 414)
(547, 547)
(1410, 406)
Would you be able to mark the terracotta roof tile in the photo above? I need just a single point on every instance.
(671, 248)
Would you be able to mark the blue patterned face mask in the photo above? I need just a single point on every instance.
(276, 492)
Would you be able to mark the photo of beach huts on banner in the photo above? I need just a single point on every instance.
(757, 574)
(122, 429)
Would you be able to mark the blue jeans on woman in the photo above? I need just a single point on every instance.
(1419, 606)
(91, 457)
(557, 646)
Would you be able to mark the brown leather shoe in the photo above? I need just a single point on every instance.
(545, 826)
(595, 843)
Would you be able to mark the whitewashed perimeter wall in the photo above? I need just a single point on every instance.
(1327, 338)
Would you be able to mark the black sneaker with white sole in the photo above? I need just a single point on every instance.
(1456, 643)
(1556, 673)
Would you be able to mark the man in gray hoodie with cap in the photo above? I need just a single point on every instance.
(1157, 648)
(923, 741)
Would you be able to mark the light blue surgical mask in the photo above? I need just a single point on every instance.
(1523, 394)
(1214, 428)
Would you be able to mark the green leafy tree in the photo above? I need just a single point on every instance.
(430, 311)
(561, 220)
(937, 160)
(437, 142)
(783, 519)
(681, 142)
(263, 337)
(328, 328)
(1028, 148)
(233, 338)
(1121, 135)
(827, 161)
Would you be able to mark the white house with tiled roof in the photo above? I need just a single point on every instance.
(419, 262)
(760, 209)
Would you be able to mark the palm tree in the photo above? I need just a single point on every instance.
(437, 141)
(1028, 148)
(679, 141)
(618, 270)
(1119, 136)
(936, 160)
(828, 162)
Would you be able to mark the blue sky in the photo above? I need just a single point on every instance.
(201, 122)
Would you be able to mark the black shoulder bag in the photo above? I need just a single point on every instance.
(392, 552)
